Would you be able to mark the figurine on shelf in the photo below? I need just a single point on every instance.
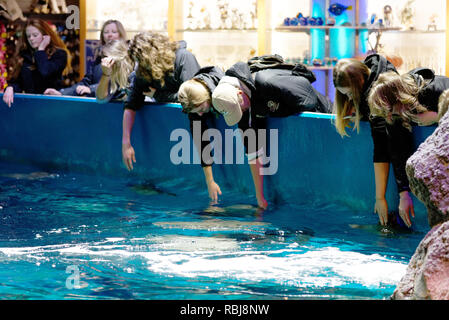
(56, 4)
(190, 21)
(408, 15)
(330, 21)
(337, 9)
(205, 21)
(253, 14)
(224, 15)
(40, 7)
(235, 19)
(388, 16)
(433, 23)
(11, 10)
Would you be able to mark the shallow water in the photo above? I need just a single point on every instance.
(72, 236)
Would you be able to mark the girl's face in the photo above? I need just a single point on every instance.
(245, 102)
(34, 36)
(346, 91)
(202, 108)
(110, 33)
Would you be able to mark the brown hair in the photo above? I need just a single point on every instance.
(155, 55)
(443, 103)
(55, 43)
(352, 74)
(394, 94)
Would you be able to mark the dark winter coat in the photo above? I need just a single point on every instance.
(90, 80)
(434, 86)
(40, 72)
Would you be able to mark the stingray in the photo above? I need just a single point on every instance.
(395, 225)
(31, 176)
(149, 189)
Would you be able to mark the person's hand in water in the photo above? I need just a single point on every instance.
(214, 190)
(128, 156)
(406, 207)
(381, 208)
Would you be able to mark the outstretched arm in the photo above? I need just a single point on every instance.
(381, 171)
(212, 187)
(255, 167)
(128, 154)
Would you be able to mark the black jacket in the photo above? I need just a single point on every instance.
(186, 66)
(40, 72)
(392, 143)
(90, 80)
(277, 92)
(434, 86)
(210, 76)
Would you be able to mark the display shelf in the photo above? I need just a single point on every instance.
(308, 28)
(217, 30)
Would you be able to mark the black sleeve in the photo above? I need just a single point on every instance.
(48, 67)
(251, 121)
(392, 144)
(401, 148)
(200, 145)
(136, 88)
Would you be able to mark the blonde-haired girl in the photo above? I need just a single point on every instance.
(353, 80)
(161, 67)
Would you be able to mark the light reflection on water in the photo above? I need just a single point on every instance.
(138, 240)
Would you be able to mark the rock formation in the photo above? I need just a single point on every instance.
(427, 275)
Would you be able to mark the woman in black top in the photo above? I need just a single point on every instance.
(41, 61)
(353, 80)
(110, 31)
(161, 67)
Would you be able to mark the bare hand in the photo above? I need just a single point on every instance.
(381, 208)
(45, 42)
(405, 207)
(214, 191)
(8, 96)
(262, 203)
(106, 66)
(128, 156)
(52, 92)
(82, 90)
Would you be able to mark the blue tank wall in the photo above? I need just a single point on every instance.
(78, 134)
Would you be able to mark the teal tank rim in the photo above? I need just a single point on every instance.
(170, 105)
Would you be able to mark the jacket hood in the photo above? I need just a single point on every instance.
(377, 64)
(210, 75)
(241, 71)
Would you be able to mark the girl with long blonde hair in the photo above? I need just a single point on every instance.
(110, 31)
(353, 80)
(161, 66)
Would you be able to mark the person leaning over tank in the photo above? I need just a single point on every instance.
(110, 31)
(42, 58)
(418, 96)
(353, 80)
(195, 96)
(251, 92)
(161, 67)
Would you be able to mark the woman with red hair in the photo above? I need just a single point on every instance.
(42, 58)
